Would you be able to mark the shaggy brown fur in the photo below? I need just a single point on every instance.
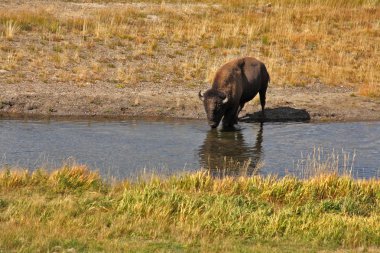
(235, 83)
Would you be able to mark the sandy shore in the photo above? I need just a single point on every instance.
(317, 103)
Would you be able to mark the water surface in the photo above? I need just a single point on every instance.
(127, 148)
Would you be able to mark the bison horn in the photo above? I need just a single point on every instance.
(225, 100)
(200, 95)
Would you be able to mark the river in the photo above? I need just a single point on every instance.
(121, 149)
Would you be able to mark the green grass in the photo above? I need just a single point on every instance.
(74, 210)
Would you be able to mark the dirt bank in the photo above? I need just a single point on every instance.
(315, 102)
(115, 59)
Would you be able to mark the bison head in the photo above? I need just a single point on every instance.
(215, 105)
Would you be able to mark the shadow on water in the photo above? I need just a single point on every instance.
(280, 114)
(226, 152)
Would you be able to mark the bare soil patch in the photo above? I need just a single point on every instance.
(320, 103)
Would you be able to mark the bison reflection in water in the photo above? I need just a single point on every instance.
(226, 153)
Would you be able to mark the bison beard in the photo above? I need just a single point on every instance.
(235, 83)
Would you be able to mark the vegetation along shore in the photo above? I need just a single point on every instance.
(73, 210)
(151, 58)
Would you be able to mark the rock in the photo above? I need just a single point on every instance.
(30, 107)
(153, 18)
(9, 103)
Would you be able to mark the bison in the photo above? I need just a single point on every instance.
(235, 83)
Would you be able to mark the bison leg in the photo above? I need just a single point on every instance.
(262, 101)
(238, 112)
(230, 117)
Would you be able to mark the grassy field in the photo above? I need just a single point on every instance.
(73, 210)
(170, 43)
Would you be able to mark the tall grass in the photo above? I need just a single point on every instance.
(11, 28)
(73, 209)
(320, 162)
(243, 3)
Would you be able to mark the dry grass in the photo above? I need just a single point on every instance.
(73, 210)
(302, 42)
(319, 162)
(11, 28)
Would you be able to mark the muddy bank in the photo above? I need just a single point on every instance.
(314, 102)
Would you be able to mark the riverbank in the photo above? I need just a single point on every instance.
(148, 59)
(312, 102)
(73, 210)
